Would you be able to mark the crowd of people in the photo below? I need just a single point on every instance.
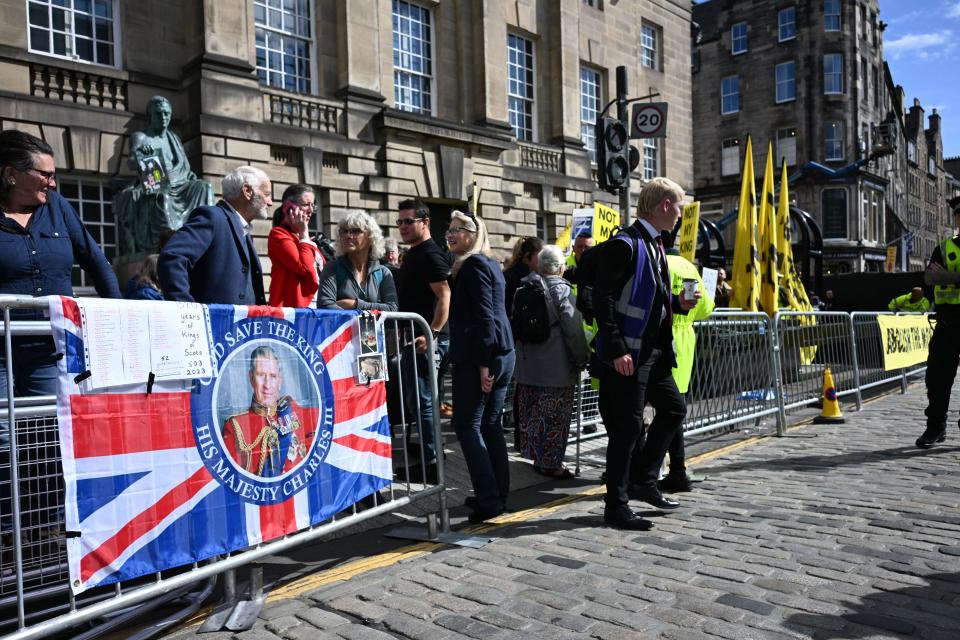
(638, 344)
(457, 286)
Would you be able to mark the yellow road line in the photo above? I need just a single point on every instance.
(349, 570)
(357, 567)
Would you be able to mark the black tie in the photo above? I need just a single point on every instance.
(664, 280)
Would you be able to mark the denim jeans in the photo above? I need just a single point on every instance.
(418, 391)
(34, 374)
(476, 418)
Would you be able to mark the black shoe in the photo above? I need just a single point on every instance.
(675, 483)
(477, 516)
(931, 436)
(624, 518)
(590, 428)
(652, 496)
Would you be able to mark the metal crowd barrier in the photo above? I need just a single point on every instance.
(748, 366)
(734, 376)
(35, 598)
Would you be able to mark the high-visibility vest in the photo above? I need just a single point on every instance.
(948, 293)
(684, 336)
(903, 303)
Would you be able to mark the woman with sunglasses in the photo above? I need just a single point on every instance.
(41, 237)
(294, 258)
(481, 350)
(355, 279)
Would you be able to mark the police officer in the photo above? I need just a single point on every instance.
(943, 272)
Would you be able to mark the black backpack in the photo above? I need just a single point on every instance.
(530, 319)
(587, 273)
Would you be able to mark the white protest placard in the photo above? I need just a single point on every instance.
(710, 281)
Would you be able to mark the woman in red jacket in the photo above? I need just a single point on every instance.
(294, 257)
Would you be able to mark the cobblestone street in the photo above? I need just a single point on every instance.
(840, 531)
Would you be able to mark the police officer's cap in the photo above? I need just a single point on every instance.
(954, 204)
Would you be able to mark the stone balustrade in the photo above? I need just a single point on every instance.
(79, 87)
(303, 112)
(540, 157)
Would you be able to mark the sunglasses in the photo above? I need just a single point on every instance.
(453, 230)
(49, 176)
(403, 221)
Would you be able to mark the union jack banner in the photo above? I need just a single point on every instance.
(279, 438)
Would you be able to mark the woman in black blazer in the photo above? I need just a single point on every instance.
(481, 350)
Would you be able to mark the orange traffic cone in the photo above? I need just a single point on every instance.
(830, 414)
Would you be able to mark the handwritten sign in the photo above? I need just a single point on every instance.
(125, 341)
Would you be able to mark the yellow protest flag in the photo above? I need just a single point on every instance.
(795, 292)
(689, 226)
(769, 282)
(746, 259)
(563, 240)
(790, 282)
(606, 222)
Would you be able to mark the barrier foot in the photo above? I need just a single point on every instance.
(216, 620)
(232, 614)
(457, 539)
(247, 611)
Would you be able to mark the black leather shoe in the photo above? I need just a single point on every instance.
(652, 496)
(931, 436)
(478, 516)
(675, 483)
(589, 428)
(625, 518)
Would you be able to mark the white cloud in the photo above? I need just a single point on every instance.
(953, 11)
(921, 45)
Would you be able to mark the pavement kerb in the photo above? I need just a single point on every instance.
(354, 568)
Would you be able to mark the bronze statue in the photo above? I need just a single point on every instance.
(166, 190)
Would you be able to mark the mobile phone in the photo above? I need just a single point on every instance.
(288, 207)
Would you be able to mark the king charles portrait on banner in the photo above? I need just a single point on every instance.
(274, 434)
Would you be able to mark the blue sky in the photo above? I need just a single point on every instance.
(921, 47)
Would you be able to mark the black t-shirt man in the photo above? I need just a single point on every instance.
(423, 264)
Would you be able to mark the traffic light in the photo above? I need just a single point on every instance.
(613, 154)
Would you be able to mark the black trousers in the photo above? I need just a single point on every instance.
(622, 399)
(942, 363)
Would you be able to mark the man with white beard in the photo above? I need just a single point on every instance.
(211, 258)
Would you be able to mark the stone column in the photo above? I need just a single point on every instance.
(490, 61)
(358, 62)
(228, 31)
(565, 120)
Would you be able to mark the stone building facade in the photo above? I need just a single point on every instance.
(808, 76)
(369, 101)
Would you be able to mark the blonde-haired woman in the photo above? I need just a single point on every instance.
(481, 351)
(355, 279)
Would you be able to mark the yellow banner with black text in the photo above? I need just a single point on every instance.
(904, 340)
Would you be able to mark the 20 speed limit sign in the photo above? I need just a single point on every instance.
(649, 120)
